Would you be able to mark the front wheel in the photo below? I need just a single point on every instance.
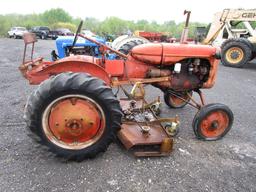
(176, 102)
(43, 36)
(75, 115)
(212, 122)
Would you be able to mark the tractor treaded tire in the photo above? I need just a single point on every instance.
(242, 43)
(244, 40)
(127, 47)
(73, 83)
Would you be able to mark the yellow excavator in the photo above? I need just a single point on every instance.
(232, 30)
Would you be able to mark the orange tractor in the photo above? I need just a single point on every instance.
(76, 114)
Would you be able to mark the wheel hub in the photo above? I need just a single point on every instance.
(75, 127)
(234, 55)
(214, 124)
(74, 122)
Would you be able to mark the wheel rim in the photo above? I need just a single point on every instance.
(73, 122)
(234, 55)
(214, 124)
(177, 101)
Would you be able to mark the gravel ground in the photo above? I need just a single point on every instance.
(225, 165)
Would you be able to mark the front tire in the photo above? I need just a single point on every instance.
(43, 36)
(75, 115)
(174, 102)
(212, 122)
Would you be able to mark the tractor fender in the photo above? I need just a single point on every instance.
(75, 64)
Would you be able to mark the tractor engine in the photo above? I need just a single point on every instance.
(186, 75)
(174, 61)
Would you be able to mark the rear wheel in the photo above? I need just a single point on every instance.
(75, 115)
(235, 53)
(212, 122)
(174, 102)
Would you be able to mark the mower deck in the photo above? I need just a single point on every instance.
(144, 138)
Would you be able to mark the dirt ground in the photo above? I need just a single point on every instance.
(225, 165)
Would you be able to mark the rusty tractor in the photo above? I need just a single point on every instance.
(76, 114)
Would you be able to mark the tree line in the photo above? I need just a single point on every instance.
(57, 18)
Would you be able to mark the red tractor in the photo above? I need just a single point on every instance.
(75, 113)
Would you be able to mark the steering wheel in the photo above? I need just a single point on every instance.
(76, 36)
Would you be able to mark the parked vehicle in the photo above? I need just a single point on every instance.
(65, 46)
(43, 32)
(233, 31)
(63, 32)
(17, 32)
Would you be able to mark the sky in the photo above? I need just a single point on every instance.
(154, 10)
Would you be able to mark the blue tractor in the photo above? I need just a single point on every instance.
(65, 47)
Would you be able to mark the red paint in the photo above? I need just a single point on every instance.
(136, 65)
(70, 64)
(75, 122)
(168, 54)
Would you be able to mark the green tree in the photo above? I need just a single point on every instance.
(92, 24)
(111, 25)
(56, 15)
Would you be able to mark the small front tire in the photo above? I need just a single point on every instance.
(174, 102)
(212, 122)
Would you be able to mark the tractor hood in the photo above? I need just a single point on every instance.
(170, 53)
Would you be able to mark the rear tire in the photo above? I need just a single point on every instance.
(52, 122)
(236, 52)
